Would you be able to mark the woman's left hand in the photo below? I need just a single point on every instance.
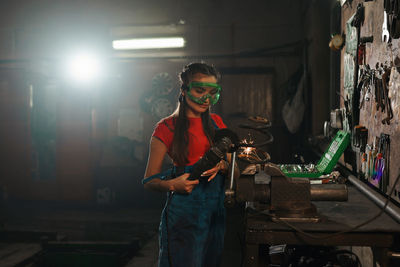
(221, 166)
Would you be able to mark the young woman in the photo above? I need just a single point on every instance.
(193, 220)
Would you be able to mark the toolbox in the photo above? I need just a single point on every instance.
(327, 162)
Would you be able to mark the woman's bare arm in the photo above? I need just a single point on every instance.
(154, 165)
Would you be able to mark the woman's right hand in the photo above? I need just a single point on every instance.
(182, 185)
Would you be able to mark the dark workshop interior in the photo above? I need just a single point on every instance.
(311, 87)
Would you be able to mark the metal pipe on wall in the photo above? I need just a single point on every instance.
(391, 208)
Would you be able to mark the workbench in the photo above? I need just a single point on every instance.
(335, 216)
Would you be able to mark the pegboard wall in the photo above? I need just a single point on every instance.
(377, 62)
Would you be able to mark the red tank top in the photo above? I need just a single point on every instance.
(198, 142)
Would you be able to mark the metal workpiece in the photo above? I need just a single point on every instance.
(230, 192)
(248, 190)
(329, 192)
(232, 176)
(392, 254)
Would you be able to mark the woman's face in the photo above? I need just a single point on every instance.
(195, 109)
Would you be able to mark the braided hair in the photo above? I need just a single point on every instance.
(180, 142)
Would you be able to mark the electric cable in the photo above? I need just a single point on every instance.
(322, 258)
(345, 231)
(345, 251)
(242, 247)
(166, 226)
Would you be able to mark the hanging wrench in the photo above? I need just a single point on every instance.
(385, 83)
(385, 32)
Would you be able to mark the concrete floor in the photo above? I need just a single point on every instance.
(110, 223)
(232, 255)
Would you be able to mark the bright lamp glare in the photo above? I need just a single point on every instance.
(83, 68)
(149, 43)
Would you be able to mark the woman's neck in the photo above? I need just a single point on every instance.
(191, 114)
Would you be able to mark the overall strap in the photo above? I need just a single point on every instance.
(170, 173)
(162, 175)
(213, 123)
(168, 126)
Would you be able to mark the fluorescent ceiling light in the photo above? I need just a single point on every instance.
(149, 43)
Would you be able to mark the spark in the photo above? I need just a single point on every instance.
(248, 150)
(245, 141)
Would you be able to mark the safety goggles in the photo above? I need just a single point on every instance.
(213, 95)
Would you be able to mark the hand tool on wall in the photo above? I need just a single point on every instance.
(360, 138)
(364, 165)
(379, 92)
(362, 82)
(384, 161)
(371, 162)
(385, 89)
(366, 39)
(361, 49)
(378, 80)
(380, 158)
(365, 89)
(368, 168)
(377, 85)
(361, 55)
(392, 9)
(371, 86)
(366, 82)
(379, 166)
(356, 135)
(358, 16)
(385, 32)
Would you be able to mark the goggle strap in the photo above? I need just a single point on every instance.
(201, 84)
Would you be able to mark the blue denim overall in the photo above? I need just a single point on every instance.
(192, 225)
